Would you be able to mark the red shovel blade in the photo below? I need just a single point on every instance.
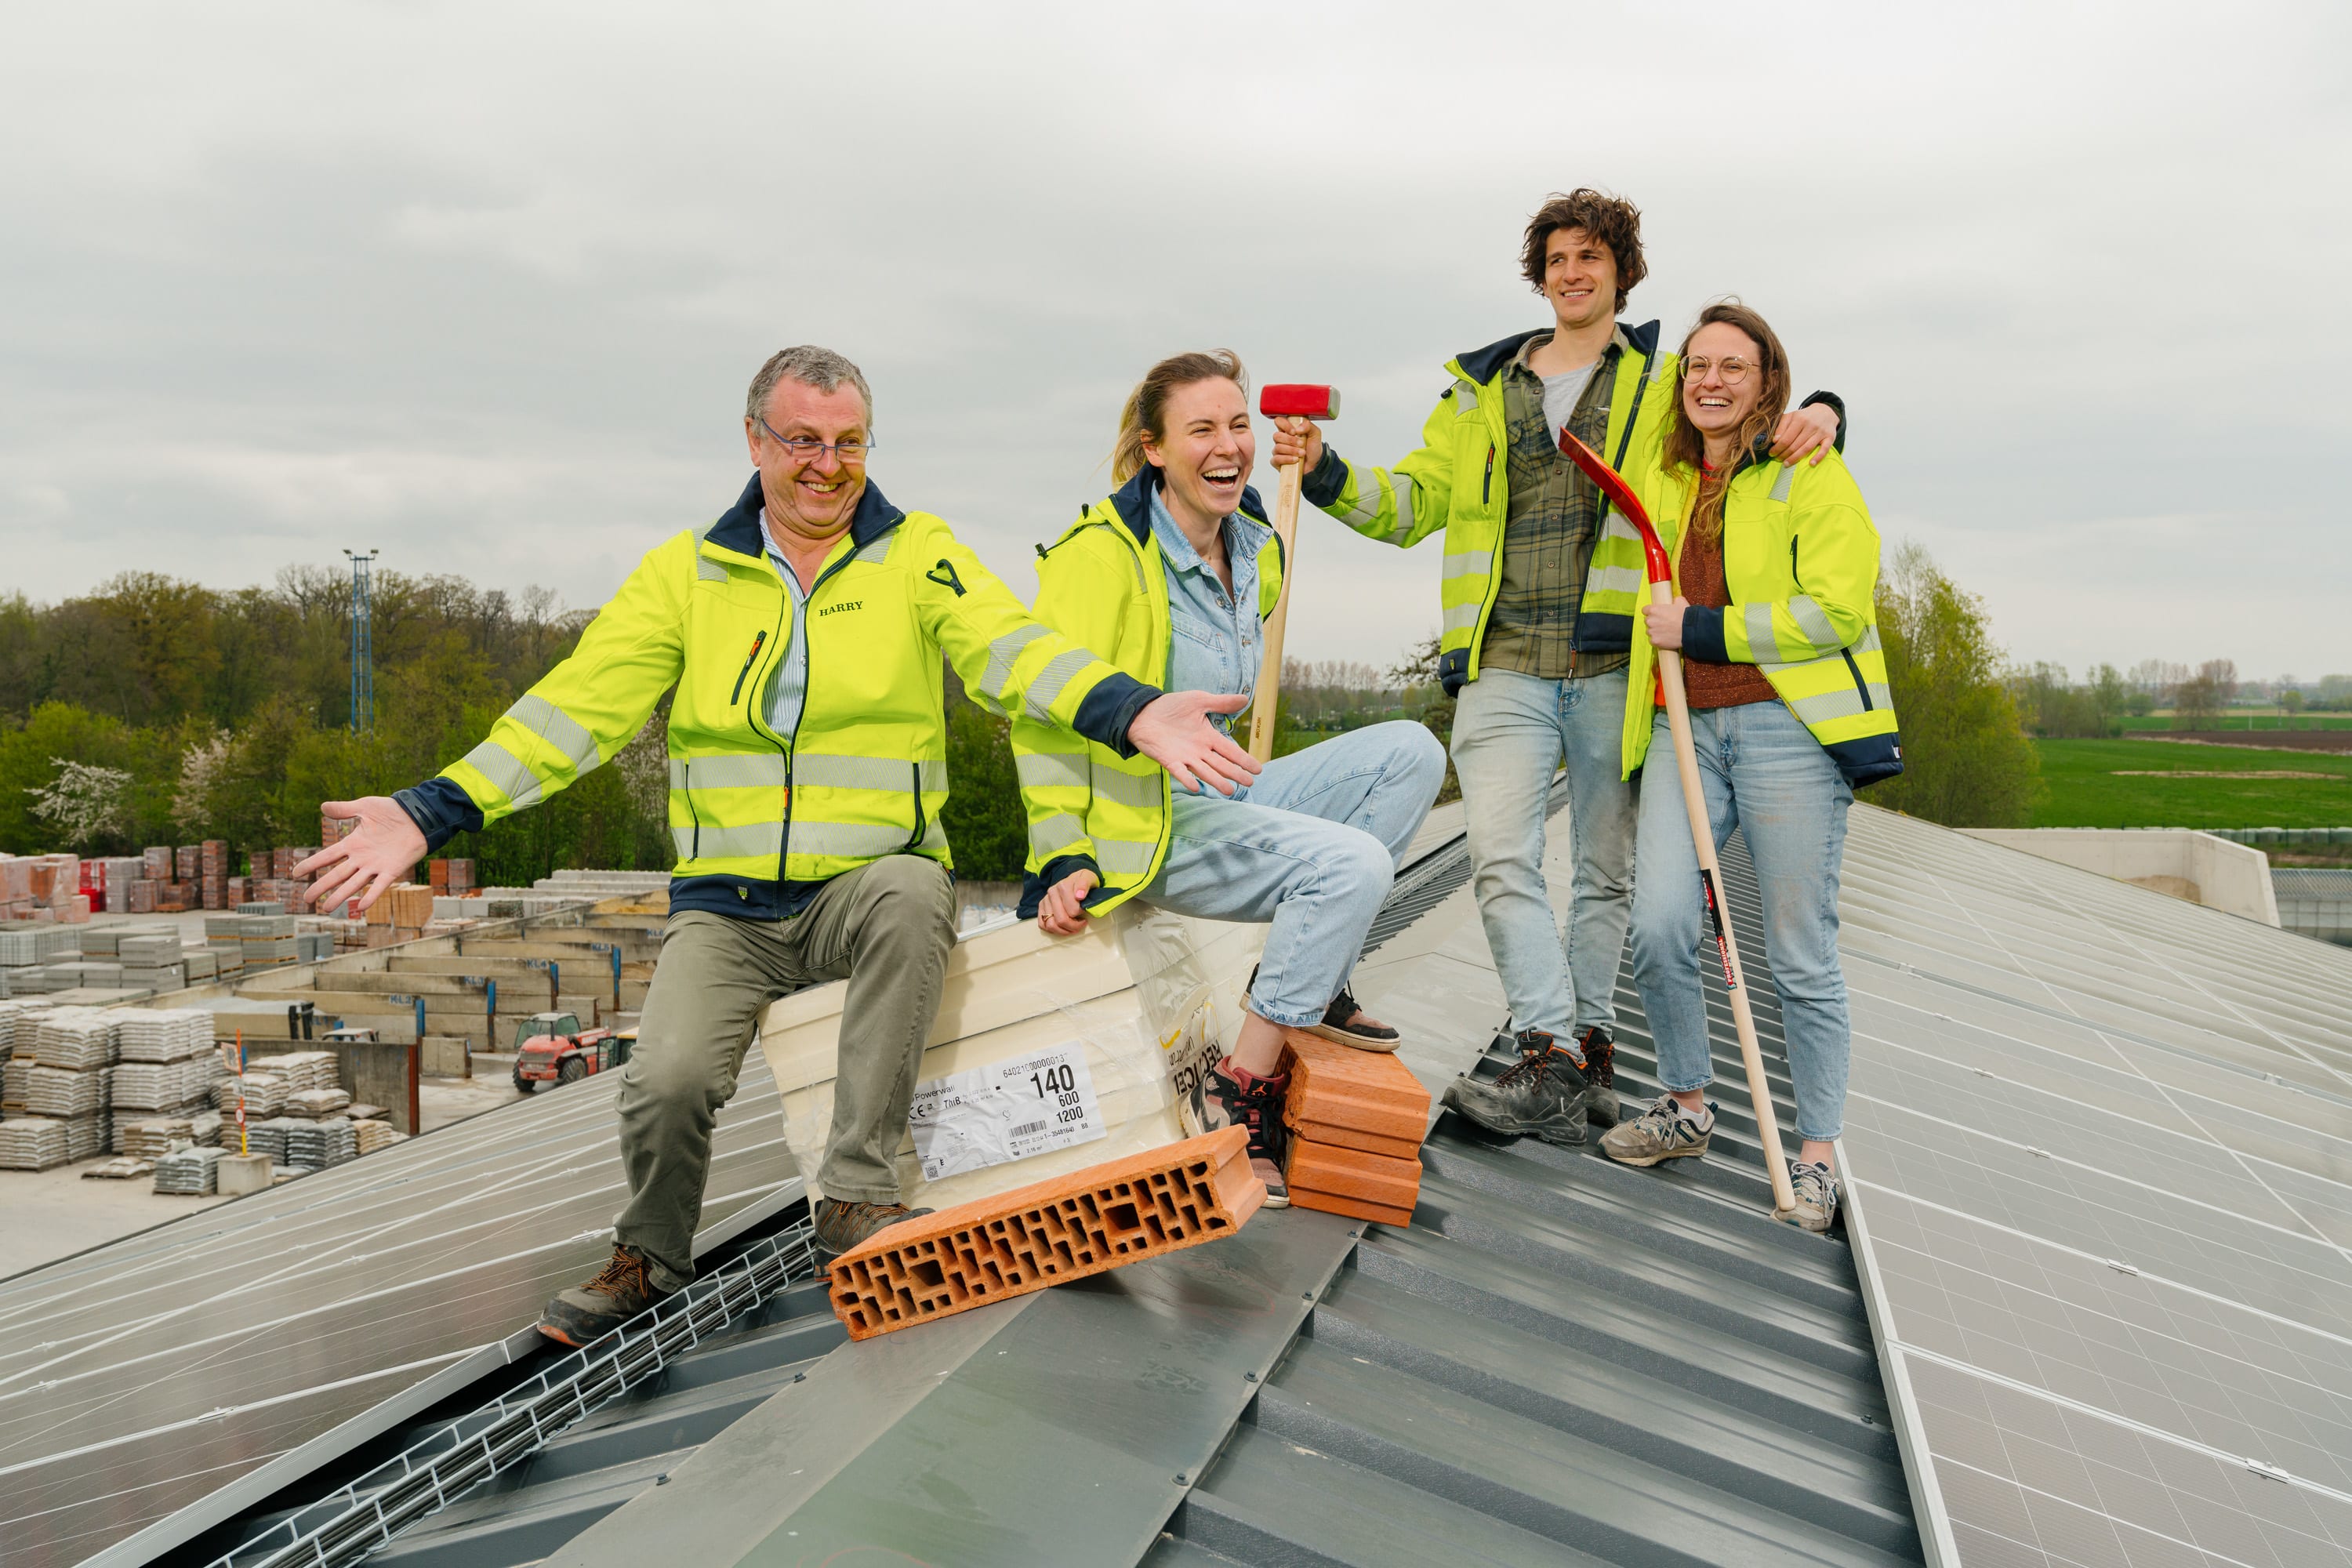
(1613, 485)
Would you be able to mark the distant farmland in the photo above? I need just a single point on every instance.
(2157, 784)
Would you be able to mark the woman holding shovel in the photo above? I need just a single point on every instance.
(1776, 567)
(1171, 579)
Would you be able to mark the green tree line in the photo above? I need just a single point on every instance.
(160, 711)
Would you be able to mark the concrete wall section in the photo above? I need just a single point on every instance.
(2197, 868)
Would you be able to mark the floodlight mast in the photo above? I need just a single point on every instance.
(362, 642)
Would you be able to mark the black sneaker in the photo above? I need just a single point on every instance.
(586, 1313)
(842, 1225)
(1542, 1094)
(1600, 1077)
(1342, 1025)
(1226, 1096)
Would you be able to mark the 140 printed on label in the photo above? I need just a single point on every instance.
(1006, 1110)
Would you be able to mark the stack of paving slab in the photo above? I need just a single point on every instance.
(1356, 1120)
(319, 1144)
(32, 1143)
(189, 1172)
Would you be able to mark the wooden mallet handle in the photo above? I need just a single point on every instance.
(1284, 401)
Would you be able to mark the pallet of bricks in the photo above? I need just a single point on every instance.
(165, 1067)
(253, 939)
(42, 889)
(57, 1087)
(399, 915)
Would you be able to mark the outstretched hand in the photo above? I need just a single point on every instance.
(384, 849)
(1173, 729)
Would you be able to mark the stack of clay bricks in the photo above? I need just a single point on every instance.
(1356, 1120)
(43, 887)
(399, 915)
(212, 873)
(1090, 1221)
(451, 877)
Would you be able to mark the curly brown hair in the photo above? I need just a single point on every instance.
(1686, 447)
(1612, 220)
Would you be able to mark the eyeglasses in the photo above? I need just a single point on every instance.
(803, 449)
(1733, 370)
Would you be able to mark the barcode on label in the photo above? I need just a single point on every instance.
(1026, 1128)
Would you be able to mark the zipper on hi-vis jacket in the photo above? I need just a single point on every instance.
(758, 643)
(1486, 485)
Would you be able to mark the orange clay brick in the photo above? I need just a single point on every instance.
(1321, 1175)
(1090, 1221)
(1367, 1094)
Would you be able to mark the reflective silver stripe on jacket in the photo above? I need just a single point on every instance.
(761, 840)
(876, 548)
(1461, 617)
(1124, 856)
(894, 774)
(1812, 621)
(1615, 580)
(1843, 703)
(1050, 770)
(707, 569)
(1127, 789)
(495, 763)
(1763, 645)
(1003, 654)
(853, 840)
(1468, 564)
(734, 770)
(1781, 486)
(558, 728)
(1050, 835)
(1039, 703)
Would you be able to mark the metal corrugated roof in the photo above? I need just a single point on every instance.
(1560, 1361)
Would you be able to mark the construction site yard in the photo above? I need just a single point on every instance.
(56, 1213)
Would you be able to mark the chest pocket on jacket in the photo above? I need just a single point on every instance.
(1193, 631)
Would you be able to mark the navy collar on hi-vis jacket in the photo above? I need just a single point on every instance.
(738, 528)
(1132, 501)
(1482, 365)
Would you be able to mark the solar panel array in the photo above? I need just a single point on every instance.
(188, 1371)
(2099, 1144)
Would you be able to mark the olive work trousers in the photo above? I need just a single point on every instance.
(889, 926)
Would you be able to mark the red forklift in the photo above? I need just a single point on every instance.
(551, 1047)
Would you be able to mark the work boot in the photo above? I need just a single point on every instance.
(1665, 1132)
(1600, 1077)
(842, 1225)
(1346, 1023)
(1228, 1095)
(586, 1313)
(1542, 1094)
(1817, 1196)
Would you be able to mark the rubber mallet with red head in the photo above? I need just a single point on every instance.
(1279, 401)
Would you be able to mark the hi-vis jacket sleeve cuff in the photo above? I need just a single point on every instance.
(441, 810)
(1322, 484)
(1033, 891)
(1111, 707)
(1703, 635)
(1837, 406)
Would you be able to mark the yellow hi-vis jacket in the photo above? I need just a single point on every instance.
(1104, 583)
(1460, 478)
(761, 819)
(1800, 560)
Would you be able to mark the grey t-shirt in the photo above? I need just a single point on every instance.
(1560, 392)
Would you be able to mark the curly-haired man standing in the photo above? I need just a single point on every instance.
(1539, 587)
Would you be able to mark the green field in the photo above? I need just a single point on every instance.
(2152, 784)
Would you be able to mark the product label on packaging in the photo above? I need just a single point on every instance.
(1007, 1111)
(1192, 1050)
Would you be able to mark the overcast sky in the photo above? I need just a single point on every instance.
(482, 285)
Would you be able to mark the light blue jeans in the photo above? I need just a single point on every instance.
(1511, 733)
(1763, 772)
(1311, 844)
